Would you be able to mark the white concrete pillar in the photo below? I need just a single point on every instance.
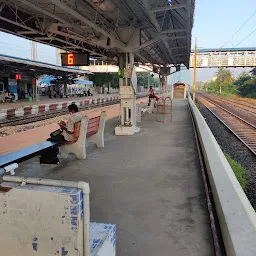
(128, 87)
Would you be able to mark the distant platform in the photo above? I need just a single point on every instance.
(46, 100)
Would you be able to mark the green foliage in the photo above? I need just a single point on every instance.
(244, 85)
(239, 171)
(104, 79)
(223, 82)
(144, 77)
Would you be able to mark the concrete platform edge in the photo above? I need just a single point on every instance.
(236, 216)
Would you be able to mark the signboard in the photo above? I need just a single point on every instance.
(12, 85)
(75, 59)
(18, 76)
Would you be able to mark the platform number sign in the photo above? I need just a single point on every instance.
(75, 59)
(18, 77)
(70, 57)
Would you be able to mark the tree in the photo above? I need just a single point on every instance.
(224, 79)
(253, 71)
(246, 84)
(101, 79)
(144, 77)
(243, 77)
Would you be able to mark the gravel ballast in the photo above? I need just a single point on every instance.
(231, 145)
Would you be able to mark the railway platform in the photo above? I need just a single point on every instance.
(149, 185)
(46, 100)
(22, 109)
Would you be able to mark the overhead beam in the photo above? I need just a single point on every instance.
(44, 38)
(93, 25)
(167, 8)
(20, 25)
(169, 31)
(26, 33)
(173, 37)
(147, 43)
(154, 21)
(41, 10)
(159, 38)
(178, 47)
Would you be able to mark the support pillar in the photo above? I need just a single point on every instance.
(128, 88)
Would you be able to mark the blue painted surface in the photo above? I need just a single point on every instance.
(22, 153)
(83, 82)
(99, 233)
(63, 252)
(71, 212)
(34, 245)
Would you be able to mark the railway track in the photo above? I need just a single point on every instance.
(242, 128)
(40, 117)
(239, 108)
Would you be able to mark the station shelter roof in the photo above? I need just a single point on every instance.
(11, 65)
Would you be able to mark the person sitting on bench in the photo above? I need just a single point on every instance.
(8, 96)
(89, 93)
(152, 95)
(66, 131)
(65, 134)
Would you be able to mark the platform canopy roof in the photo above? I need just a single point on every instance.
(11, 65)
(158, 31)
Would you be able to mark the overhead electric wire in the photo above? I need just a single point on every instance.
(246, 37)
(238, 30)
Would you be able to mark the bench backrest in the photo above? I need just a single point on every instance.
(93, 126)
(81, 127)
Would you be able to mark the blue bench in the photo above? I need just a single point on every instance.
(25, 153)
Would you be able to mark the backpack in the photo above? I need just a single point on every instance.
(50, 156)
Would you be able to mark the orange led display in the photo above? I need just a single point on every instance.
(70, 57)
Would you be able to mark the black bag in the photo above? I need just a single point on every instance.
(49, 156)
(55, 133)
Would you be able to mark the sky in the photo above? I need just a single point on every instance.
(215, 23)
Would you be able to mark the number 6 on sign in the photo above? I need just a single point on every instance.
(70, 58)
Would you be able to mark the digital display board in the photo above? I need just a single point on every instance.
(75, 59)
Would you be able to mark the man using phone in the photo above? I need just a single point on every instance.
(66, 131)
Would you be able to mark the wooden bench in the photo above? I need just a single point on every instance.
(90, 130)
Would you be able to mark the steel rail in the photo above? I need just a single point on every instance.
(242, 129)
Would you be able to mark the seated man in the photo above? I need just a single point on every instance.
(65, 134)
(66, 131)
